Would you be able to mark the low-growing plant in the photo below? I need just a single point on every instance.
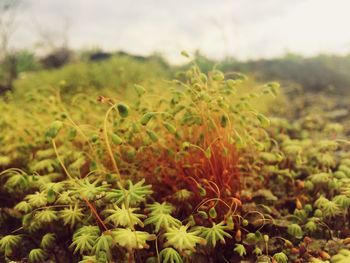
(194, 173)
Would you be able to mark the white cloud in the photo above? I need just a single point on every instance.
(242, 28)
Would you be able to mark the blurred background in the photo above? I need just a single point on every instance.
(305, 42)
(244, 29)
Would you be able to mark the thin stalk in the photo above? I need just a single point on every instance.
(108, 145)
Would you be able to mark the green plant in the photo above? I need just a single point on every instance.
(184, 170)
(280, 257)
(240, 249)
(183, 240)
(215, 233)
(170, 255)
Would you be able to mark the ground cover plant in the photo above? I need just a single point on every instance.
(187, 170)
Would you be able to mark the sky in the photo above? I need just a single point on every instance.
(245, 29)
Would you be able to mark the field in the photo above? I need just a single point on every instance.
(134, 160)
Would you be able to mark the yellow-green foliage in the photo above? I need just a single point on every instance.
(80, 147)
(107, 77)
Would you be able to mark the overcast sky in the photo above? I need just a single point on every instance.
(241, 28)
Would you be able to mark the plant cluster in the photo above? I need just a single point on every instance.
(192, 173)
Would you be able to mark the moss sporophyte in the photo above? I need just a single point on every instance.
(188, 170)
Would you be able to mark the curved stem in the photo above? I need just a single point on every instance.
(108, 145)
